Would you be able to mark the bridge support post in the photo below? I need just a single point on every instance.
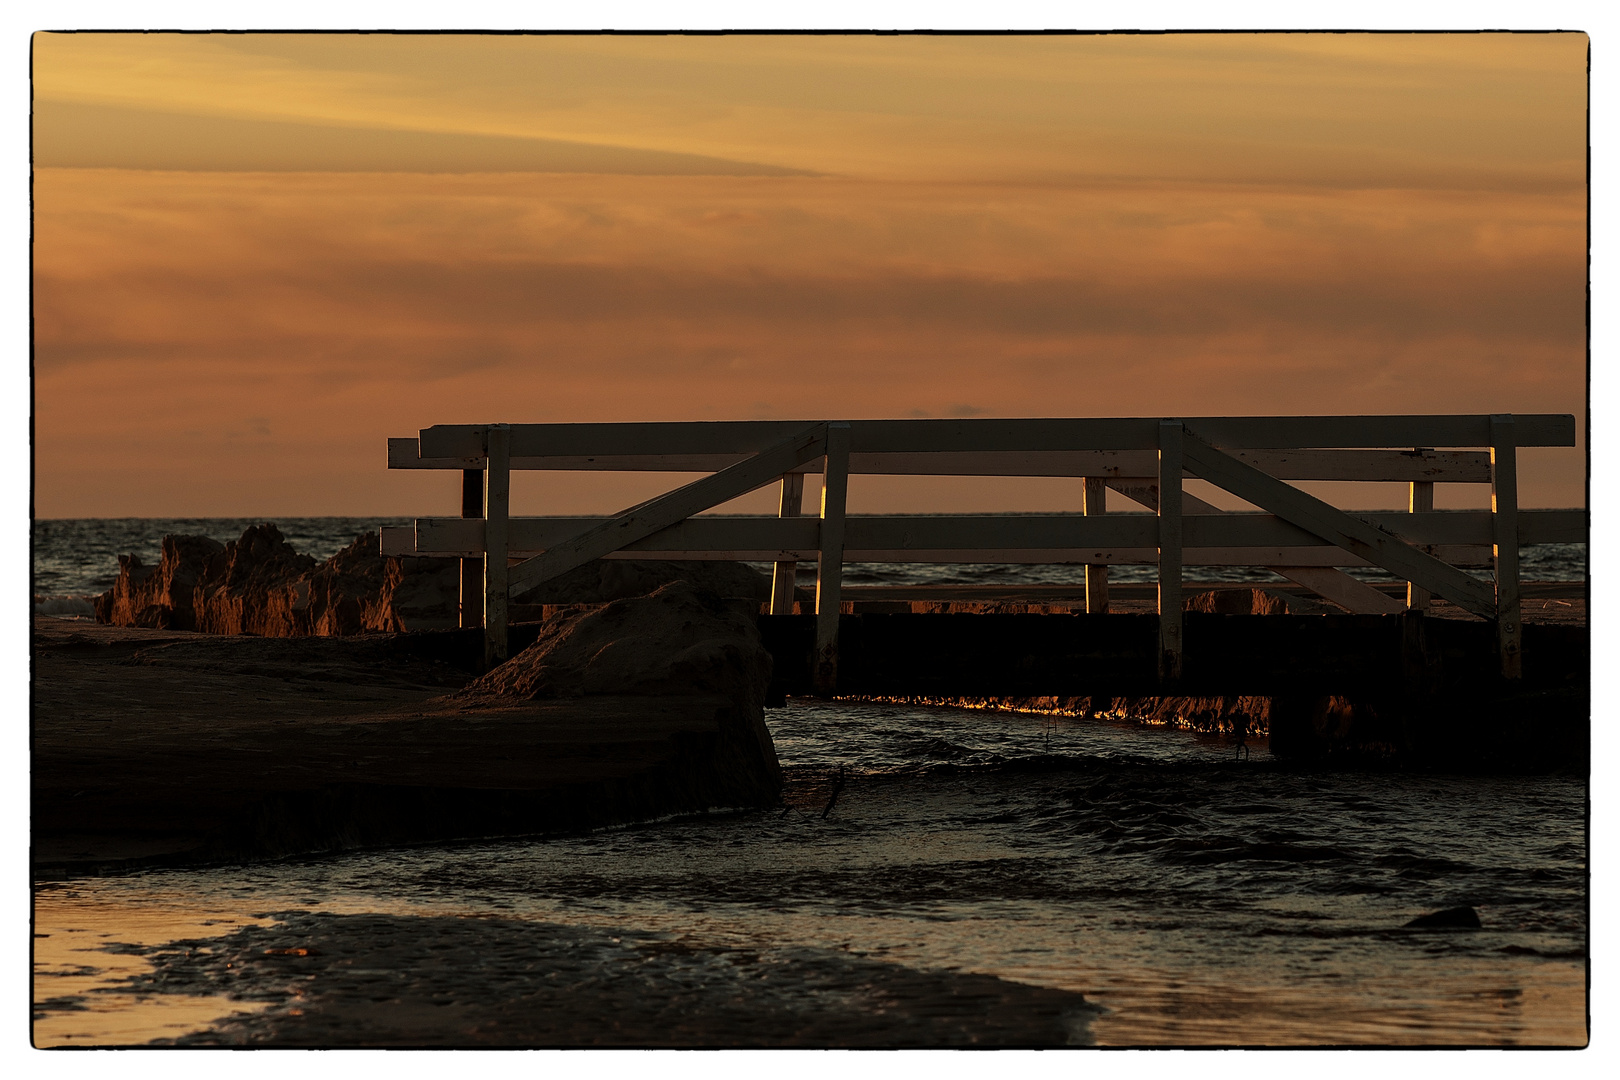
(830, 565)
(1094, 501)
(1421, 500)
(497, 499)
(783, 574)
(472, 570)
(1170, 466)
(1505, 527)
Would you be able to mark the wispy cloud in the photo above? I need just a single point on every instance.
(1496, 112)
(76, 135)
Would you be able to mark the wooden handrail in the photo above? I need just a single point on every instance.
(741, 438)
(1147, 459)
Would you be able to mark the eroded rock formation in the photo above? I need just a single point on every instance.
(260, 585)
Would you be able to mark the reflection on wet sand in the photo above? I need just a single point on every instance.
(87, 988)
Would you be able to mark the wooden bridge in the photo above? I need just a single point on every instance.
(1145, 460)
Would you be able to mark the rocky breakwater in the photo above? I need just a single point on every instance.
(260, 585)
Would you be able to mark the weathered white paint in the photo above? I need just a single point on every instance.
(790, 505)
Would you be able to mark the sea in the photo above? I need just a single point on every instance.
(75, 558)
(1196, 892)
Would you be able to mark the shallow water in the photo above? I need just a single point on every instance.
(1197, 897)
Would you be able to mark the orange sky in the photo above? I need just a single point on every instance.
(256, 257)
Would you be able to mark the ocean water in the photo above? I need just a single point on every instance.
(1196, 894)
(79, 557)
(1193, 895)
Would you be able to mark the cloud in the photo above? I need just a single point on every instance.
(77, 135)
(324, 313)
(1478, 112)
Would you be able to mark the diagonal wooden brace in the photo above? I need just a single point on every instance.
(1337, 527)
(1344, 590)
(640, 522)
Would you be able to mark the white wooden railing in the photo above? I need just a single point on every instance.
(1295, 534)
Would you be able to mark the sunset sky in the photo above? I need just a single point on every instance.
(258, 256)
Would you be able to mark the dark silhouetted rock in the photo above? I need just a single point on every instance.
(1457, 918)
(677, 642)
(605, 580)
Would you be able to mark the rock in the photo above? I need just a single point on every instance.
(260, 585)
(1457, 918)
(605, 580)
(234, 595)
(160, 597)
(358, 589)
(679, 641)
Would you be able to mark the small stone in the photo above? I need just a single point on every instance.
(1457, 918)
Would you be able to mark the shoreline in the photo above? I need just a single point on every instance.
(206, 748)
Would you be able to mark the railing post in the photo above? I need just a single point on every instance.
(783, 574)
(1094, 501)
(1170, 466)
(497, 497)
(1505, 529)
(1419, 501)
(830, 565)
(472, 570)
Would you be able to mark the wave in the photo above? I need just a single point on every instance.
(65, 607)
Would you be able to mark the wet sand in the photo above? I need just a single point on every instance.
(380, 980)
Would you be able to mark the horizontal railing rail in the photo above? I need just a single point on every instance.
(1145, 460)
(746, 437)
(920, 538)
(1386, 466)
